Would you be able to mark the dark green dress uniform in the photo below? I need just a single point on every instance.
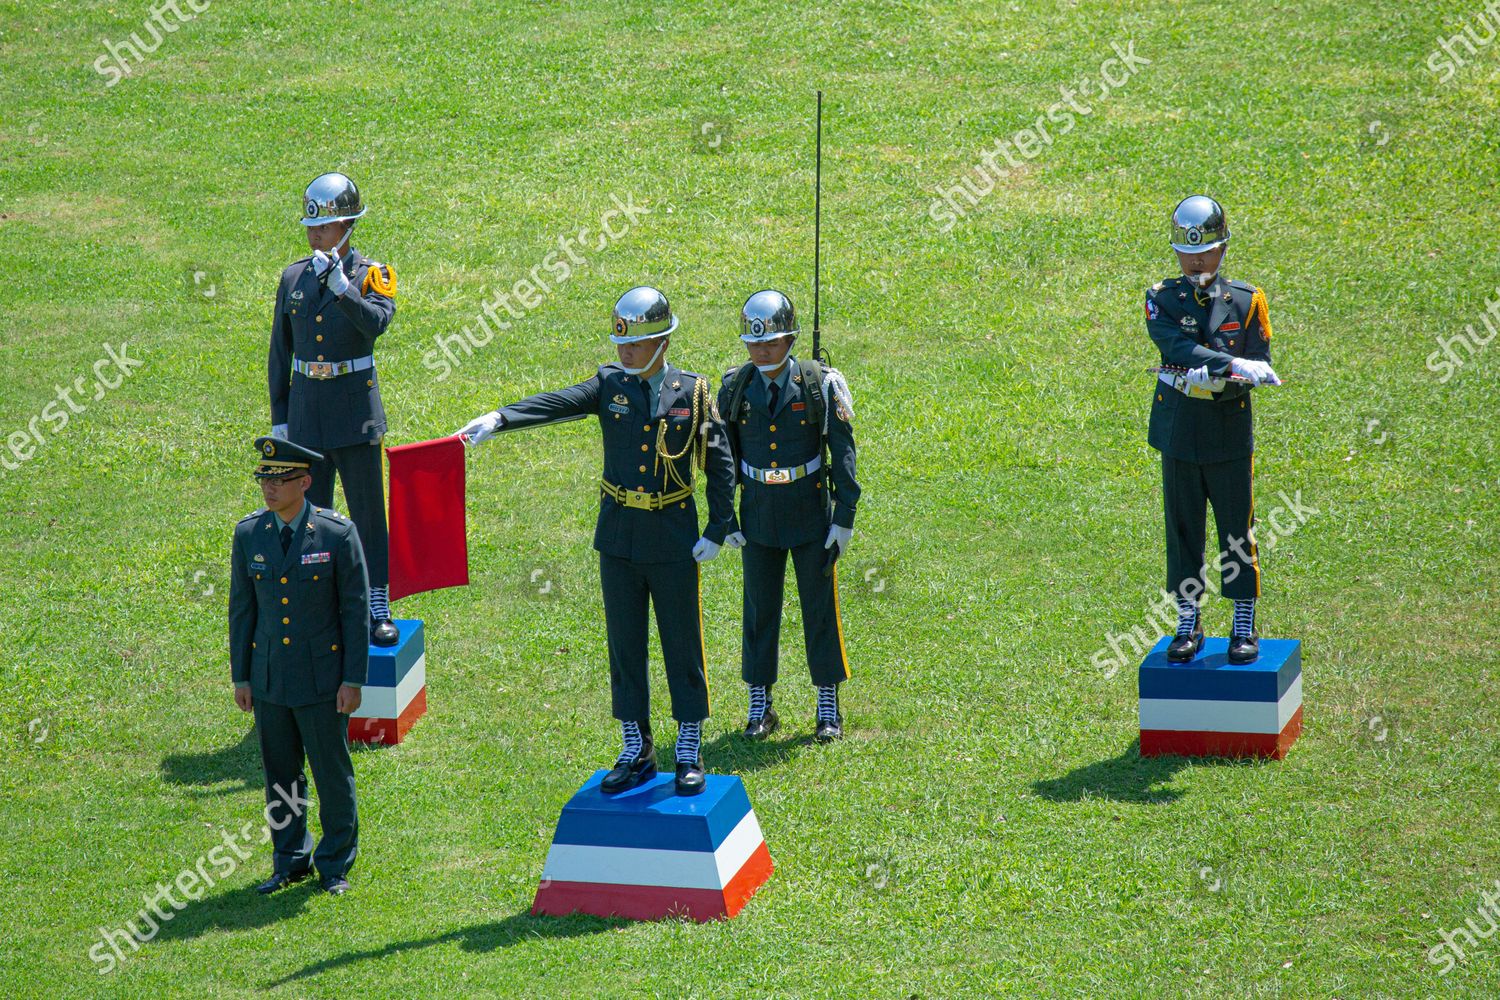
(1206, 439)
(648, 522)
(298, 629)
(785, 509)
(325, 389)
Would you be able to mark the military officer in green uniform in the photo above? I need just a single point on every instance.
(298, 655)
(1214, 335)
(789, 424)
(657, 422)
(330, 308)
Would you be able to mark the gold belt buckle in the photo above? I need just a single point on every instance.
(320, 369)
(778, 475)
(640, 501)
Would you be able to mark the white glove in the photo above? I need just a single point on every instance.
(279, 431)
(476, 431)
(838, 535)
(735, 539)
(704, 550)
(1200, 378)
(338, 281)
(1256, 371)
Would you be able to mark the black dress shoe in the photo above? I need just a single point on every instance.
(690, 778)
(627, 774)
(336, 886)
(384, 633)
(280, 881)
(1184, 647)
(764, 726)
(830, 730)
(1244, 648)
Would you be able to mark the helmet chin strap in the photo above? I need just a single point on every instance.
(342, 240)
(647, 366)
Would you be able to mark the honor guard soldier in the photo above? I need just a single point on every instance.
(298, 654)
(1210, 330)
(330, 308)
(789, 428)
(657, 421)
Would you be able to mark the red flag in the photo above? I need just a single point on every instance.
(429, 549)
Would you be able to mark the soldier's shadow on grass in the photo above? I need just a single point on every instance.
(1128, 777)
(512, 930)
(732, 753)
(237, 909)
(236, 767)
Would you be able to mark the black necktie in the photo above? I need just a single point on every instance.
(775, 396)
(286, 538)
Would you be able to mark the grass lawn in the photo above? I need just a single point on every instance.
(988, 827)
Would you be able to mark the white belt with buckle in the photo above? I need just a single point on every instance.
(332, 369)
(1180, 383)
(776, 476)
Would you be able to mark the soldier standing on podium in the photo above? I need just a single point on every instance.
(330, 308)
(782, 415)
(1209, 327)
(657, 421)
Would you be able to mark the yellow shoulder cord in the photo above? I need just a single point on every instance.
(375, 278)
(1258, 308)
(698, 437)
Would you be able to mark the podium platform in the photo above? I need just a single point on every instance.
(1209, 707)
(650, 853)
(395, 692)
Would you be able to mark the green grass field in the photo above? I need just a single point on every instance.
(988, 828)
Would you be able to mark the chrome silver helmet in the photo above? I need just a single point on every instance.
(642, 313)
(1198, 225)
(331, 198)
(767, 315)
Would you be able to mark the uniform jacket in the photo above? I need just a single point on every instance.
(1205, 327)
(631, 461)
(313, 324)
(298, 624)
(785, 515)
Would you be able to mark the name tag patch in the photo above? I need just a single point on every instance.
(308, 558)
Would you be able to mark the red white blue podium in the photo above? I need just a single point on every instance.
(650, 853)
(1209, 707)
(395, 692)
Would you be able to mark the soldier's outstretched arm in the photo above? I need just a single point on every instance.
(1177, 348)
(369, 311)
(719, 477)
(279, 361)
(841, 467)
(353, 581)
(242, 612)
(554, 407)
